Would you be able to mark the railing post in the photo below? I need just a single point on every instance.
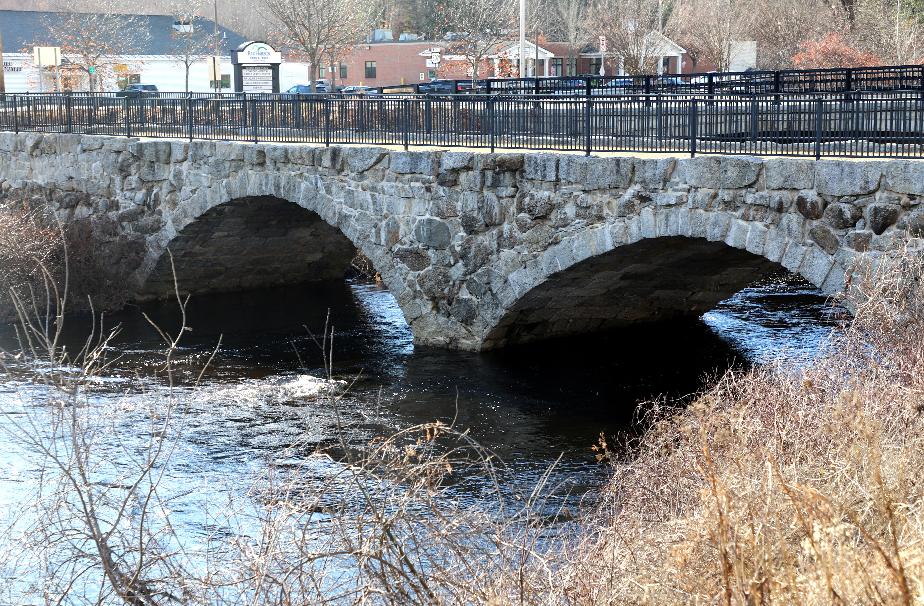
(588, 125)
(327, 122)
(253, 119)
(818, 121)
(428, 114)
(647, 85)
(128, 120)
(298, 110)
(491, 123)
(693, 117)
(68, 112)
(189, 116)
(245, 117)
(407, 123)
(659, 118)
(754, 120)
(15, 113)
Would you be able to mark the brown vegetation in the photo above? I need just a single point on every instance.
(35, 251)
(782, 485)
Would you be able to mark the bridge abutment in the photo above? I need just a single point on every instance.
(480, 250)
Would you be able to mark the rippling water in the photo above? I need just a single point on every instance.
(533, 406)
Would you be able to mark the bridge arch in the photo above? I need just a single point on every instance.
(656, 265)
(255, 230)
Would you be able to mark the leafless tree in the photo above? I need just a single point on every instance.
(569, 21)
(780, 26)
(192, 42)
(475, 28)
(95, 43)
(627, 26)
(889, 29)
(319, 29)
(707, 28)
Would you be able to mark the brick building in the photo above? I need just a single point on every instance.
(383, 64)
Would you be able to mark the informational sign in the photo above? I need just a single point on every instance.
(257, 79)
(9, 66)
(434, 57)
(256, 68)
(259, 53)
(46, 56)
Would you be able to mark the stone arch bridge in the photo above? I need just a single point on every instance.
(480, 250)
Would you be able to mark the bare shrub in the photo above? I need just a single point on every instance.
(782, 485)
(27, 245)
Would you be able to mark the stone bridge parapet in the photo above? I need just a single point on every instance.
(479, 249)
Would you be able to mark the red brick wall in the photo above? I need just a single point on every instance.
(396, 63)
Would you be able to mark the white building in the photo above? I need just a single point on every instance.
(159, 62)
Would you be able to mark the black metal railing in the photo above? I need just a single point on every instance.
(799, 82)
(858, 125)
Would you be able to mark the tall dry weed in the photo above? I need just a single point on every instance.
(781, 485)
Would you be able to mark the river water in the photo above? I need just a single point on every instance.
(534, 406)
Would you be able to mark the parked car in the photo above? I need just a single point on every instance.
(138, 90)
(438, 87)
(358, 90)
(305, 89)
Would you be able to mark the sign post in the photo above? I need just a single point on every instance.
(602, 56)
(256, 68)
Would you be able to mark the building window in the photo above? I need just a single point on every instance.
(557, 68)
(343, 71)
(370, 70)
(571, 67)
(595, 66)
(225, 82)
(321, 72)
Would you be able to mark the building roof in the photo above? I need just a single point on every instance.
(24, 29)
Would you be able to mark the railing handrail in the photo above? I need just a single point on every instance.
(780, 79)
(855, 124)
(287, 97)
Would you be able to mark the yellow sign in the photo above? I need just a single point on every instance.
(46, 56)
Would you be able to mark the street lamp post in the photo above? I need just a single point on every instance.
(522, 38)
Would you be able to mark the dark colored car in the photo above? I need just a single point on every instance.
(438, 87)
(305, 89)
(138, 90)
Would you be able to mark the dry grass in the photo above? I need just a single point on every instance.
(781, 485)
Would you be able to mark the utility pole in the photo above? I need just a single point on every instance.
(522, 38)
(216, 62)
(2, 69)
